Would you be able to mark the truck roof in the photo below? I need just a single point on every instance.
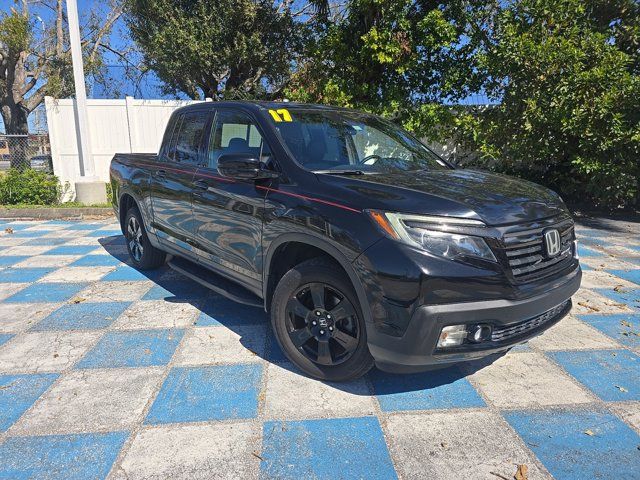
(260, 105)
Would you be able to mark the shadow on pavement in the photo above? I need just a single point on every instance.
(217, 310)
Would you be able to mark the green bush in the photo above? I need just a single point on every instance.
(29, 187)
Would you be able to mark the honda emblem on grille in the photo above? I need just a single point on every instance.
(552, 242)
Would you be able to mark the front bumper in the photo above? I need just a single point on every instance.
(416, 349)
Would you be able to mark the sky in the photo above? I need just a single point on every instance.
(119, 86)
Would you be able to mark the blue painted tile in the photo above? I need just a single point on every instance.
(30, 233)
(17, 226)
(84, 226)
(624, 328)
(629, 297)
(46, 293)
(26, 275)
(97, 261)
(446, 388)
(193, 394)
(559, 441)
(17, 394)
(139, 348)
(105, 233)
(630, 275)
(9, 260)
(125, 273)
(325, 449)
(46, 242)
(274, 352)
(65, 223)
(83, 316)
(604, 371)
(219, 310)
(5, 337)
(585, 267)
(63, 457)
(177, 289)
(71, 250)
(587, 252)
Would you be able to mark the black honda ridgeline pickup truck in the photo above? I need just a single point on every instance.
(364, 245)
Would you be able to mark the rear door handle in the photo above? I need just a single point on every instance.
(161, 174)
(201, 185)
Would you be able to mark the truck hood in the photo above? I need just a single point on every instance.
(494, 199)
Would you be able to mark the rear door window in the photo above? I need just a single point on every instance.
(187, 138)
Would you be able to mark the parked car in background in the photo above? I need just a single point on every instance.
(43, 163)
(365, 246)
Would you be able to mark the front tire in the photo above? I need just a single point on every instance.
(144, 256)
(318, 322)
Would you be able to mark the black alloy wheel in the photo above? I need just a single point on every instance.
(322, 324)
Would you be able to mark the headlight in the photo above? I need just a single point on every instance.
(422, 231)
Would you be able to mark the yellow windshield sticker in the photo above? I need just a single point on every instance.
(281, 115)
(275, 116)
(284, 113)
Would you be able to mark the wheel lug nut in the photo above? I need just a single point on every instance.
(329, 316)
(314, 323)
(321, 332)
(317, 313)
(331, 329)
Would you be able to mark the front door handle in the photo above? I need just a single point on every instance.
(161, 174)
(201, 185)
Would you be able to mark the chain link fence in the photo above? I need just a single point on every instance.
(25, 151)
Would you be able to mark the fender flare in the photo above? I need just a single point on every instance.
(330, 250)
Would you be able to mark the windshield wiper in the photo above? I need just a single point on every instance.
(340, 172)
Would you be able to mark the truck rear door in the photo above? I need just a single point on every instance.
(172, 179)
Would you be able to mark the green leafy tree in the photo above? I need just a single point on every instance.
(564, 74)
(400, 58)
(35, 59)
(221, 48)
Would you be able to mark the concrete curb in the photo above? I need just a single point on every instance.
(78, 213)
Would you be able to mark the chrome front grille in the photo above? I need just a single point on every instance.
(506, 332)
(525, 254)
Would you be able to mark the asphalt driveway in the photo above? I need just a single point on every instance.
(106, 371)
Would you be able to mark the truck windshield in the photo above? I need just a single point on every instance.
(351, 142)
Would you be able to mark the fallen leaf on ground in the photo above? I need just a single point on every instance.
(78, 300)
(590, 307)
(521, 472)
(622, 389)
(625, 323)
(589, 432)
(256, 455)
(8, 230)
(617, 288)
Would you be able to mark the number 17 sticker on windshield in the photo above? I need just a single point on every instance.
(281, 115)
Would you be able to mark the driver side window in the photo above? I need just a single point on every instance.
(235, 132)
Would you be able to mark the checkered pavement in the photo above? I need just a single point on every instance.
(108, 371)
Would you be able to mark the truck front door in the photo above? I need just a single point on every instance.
(228, 213)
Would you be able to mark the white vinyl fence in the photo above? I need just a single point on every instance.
(115, 126)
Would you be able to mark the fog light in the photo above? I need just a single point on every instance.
(480, 333)
(452, 336)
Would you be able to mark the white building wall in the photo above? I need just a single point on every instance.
(115, 126)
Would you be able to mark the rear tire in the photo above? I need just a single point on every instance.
(318, 322)
(143, 255)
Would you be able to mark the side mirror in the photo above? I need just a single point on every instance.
(244, 166)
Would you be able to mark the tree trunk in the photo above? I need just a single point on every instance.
(15, 122)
